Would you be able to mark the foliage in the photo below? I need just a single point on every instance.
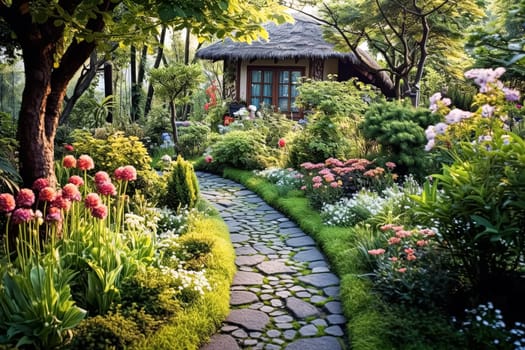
(411, 270)
(111, 152)
(484, 327)
(399, 129)
(476, 203)
(193, 139)
(8, 144)
(404, 33)
(240, 149)
(499, 40)
(286, 180)
(324, 137)
(183, 189)
(37, 306)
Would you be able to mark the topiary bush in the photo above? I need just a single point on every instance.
(183, 187)
(400, 130)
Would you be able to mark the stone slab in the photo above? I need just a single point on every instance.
(308, 255)
(300, 241)
(245, 278)
(320, 280)
(249, 260)
(221, 342)
(251, 320)
(274, 267)
(328, 343)
(242, 297)
(300, 308)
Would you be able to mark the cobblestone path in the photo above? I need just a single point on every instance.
(283, 295)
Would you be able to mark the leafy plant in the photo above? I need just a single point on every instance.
(240, 149)
(36, 306)
(193, 139)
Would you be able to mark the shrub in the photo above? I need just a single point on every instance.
(240, 149)
(400, 130)
(193, 139)
(183, 188)
(411, 269)
(285, 179)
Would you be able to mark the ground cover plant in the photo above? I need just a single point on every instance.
(87, 265)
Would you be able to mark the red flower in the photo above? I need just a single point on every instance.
(68, 148)
(92, 200)
(71, 192)
(208, 159)
(76, 180)
(25, 197)
(40, 183)
(7, 202)
(106, 189)
(85, 162)
(69, 161)
(99, 212)
(126, 173)
(54, 214)
(47, 194)
(101, 177)
(281, 142)
(22, 215)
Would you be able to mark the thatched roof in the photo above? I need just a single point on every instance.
(302, 39)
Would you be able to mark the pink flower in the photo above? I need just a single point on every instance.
(422, 243)
(47, 194)
(7, 202)
(303, 188)
(390, 165)
(85, 162)
(387, 227)
(126, 173)
(71, 192)
(25, 198)
(394, 240)
(409, 251)
(100, 211)
(208, 159)
(68, 148)
(317, 179)
(411, 257)
(22, 215)
(54, 214)
(40, 184)
(92, 200)
(101, 177)
(393, 259)
(76, 180)
(106, 189)
(379, 251)
(61, 202)
(329, 178)
(317, 185)
(281, 143)
(69, 161)
(334, 184)
(402, 270)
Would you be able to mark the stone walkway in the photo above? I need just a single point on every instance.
(283, 295)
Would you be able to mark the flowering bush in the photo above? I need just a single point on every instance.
(327, 182)
(410, 267)
(286, 179)
(478, 202)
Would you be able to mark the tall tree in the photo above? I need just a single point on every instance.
(404, 34)
(56, 37)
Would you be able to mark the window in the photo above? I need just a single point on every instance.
(275, 86)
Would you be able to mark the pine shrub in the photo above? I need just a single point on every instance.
(183, 187)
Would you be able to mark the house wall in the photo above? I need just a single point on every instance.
(330, 66)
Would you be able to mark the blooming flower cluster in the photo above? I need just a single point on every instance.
(286, 179)
(495, 103)
(211, 91)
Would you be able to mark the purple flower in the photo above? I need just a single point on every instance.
(511, 95)
(487, 110)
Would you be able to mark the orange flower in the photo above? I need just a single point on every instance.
(69, 161)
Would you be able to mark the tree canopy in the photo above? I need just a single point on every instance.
(56, 37)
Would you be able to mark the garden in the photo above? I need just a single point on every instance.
(416, 198)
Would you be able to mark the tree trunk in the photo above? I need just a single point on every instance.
(133, 73)
(173, 119)
(158, 60)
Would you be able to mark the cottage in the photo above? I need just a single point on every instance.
(268, 71)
